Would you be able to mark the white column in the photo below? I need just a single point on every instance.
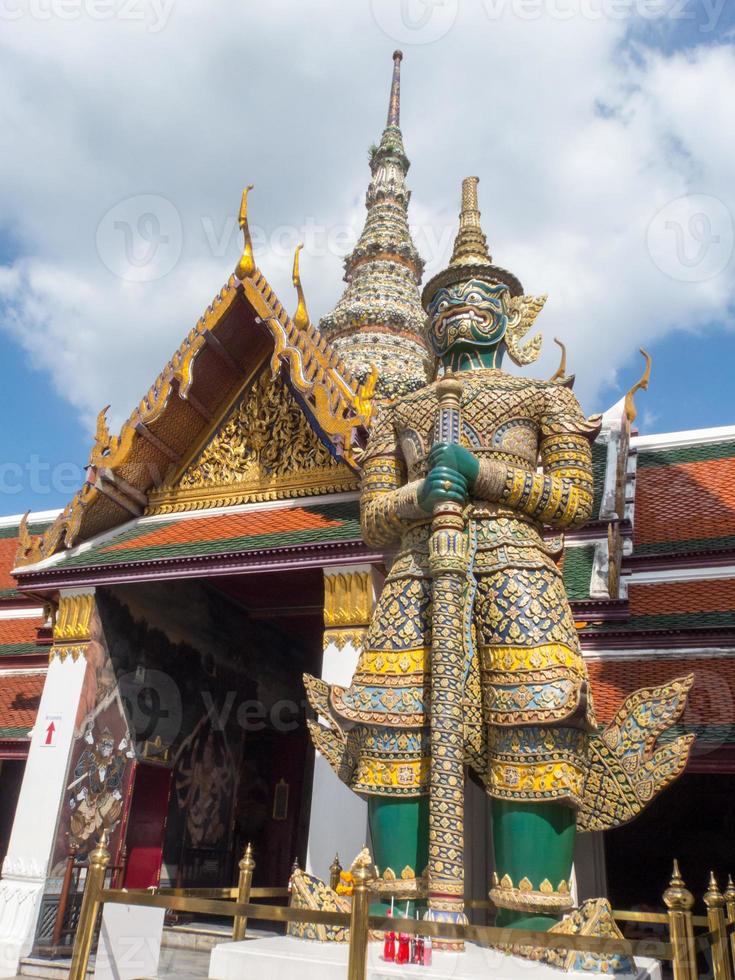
(31, 842)
(338, 823)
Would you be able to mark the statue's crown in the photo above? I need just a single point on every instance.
(470, 257)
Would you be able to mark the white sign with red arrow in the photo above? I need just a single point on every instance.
(49, 731)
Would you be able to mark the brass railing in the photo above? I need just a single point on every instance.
(236, 903)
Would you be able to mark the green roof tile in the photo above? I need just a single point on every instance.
(578, 571)
(699, 453)
(599, 468)
(670, 621)
(345, 527)
(685, 546)
(17, 649)
(14, 732)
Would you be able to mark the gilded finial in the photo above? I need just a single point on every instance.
(630, 409)
(713, 897)
(677, 896)
(394, 105)
(470, 245)
(301, 316)
(247, 862)
(246, 266)
(561, 371)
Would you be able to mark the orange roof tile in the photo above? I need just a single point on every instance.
(661, 598)
(687, 500)
(20, 695)
(711, 701)
(20, 630)
(225, 526)
(8, 548)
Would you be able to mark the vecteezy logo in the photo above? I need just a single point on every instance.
(415, 21)
(691, 238)
(140, 239)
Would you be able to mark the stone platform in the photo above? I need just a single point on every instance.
(285, 958)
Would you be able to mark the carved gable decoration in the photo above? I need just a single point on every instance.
(264, 450)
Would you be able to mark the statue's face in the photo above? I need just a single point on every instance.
(468, 315)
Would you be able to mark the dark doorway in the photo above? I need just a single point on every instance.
(691, 821)
(11, 777)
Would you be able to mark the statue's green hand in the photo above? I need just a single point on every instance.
(456, 458)
(441, 485)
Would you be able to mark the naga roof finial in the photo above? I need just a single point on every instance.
(394, 105)
(301, 316)
(630, 409)
(246, 266)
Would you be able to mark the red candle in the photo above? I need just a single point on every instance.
(428, 952)
(389, 944)
(404, 948)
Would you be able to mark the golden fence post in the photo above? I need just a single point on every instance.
(93, 886)
(244, 884)
(335, 870)
(680, 901)
(363, 874)
(715, 903)
(729, 897)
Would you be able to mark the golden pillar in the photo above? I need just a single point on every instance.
(715, 902)
(95, 883)
(244, 884)
(363, 873)
(680, 901)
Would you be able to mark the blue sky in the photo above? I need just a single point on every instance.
(604, 148)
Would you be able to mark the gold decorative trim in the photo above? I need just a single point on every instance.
(339, 404)
(73, 618)
(63, 652)
(348, 598)
(264, 450)
(340, 638)
(408, 886)
(525, 898)
(173, 501)
(29, 545)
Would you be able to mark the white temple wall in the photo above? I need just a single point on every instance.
(26, 864)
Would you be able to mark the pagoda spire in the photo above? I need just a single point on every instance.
(394, 106)
(379, 321)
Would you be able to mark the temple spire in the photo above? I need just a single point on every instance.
(394, 106)
(470, 245)
(378, 322)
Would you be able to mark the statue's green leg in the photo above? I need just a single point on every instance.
(534, 841)
(399, 829)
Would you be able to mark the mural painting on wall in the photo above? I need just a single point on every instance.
(205, 770)
(101, 761)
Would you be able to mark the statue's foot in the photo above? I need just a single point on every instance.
(593, 918)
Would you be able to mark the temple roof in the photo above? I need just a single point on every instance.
(249, 537)
(20, 695)
(685, 495)
(379, 322)
(244, 332)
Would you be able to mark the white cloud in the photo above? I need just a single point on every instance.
(580, 136)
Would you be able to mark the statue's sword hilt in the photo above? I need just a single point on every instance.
(448, 556)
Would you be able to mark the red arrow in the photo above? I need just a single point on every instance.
(50, 734)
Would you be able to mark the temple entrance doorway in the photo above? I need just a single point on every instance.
(209, 673)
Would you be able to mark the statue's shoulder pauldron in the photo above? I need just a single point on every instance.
(563, 414)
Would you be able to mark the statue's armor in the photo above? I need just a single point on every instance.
(528, 709)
